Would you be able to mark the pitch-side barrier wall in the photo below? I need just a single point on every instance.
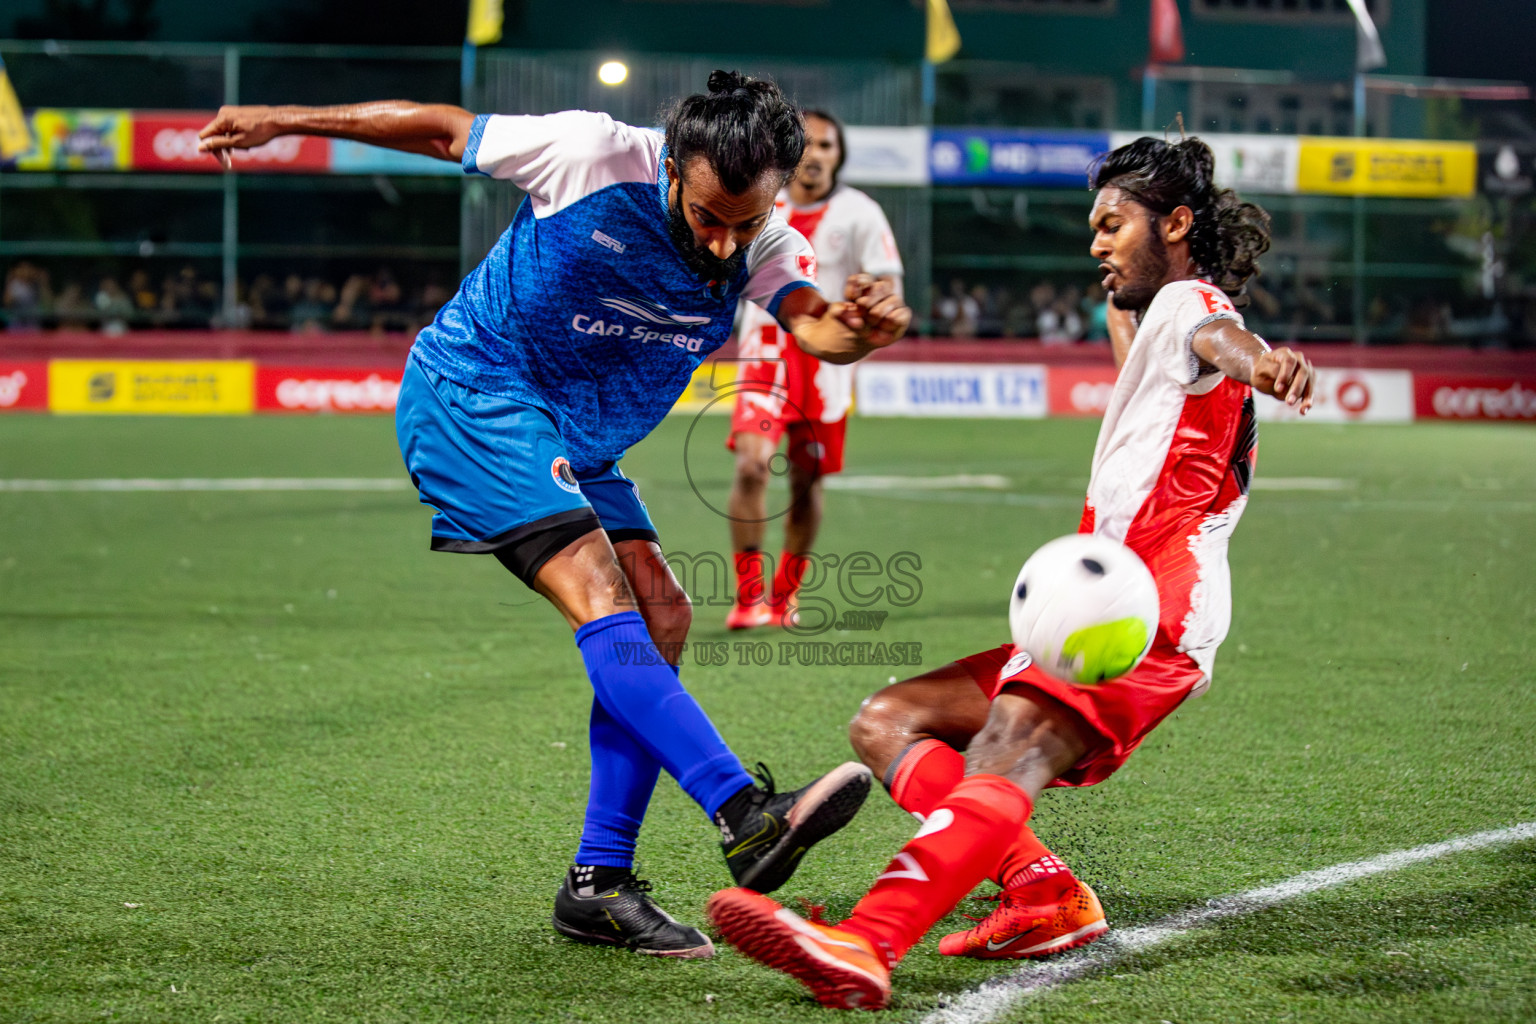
(929, 377)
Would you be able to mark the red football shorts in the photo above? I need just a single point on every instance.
(1117, 713)
(764, 407)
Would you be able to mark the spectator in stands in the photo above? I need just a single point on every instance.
(352, 312)
(433, 294)
(72, 308)
(231, 316)
(1060, 323)
(958, 311)
(1428, 322)
(1018, 318)
(1095, 308)
(989, 319)
(260, 296)
(311, 313)
(1041, 296)
(387, 302)
(144, 297)
(205, 305)
(281, 305)
(27, 297)
(113, 307)
(177, 294)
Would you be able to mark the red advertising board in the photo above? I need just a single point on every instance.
(326, 389)
(23, 386)
(1472, 396)
(1079, 390)
(167, 141)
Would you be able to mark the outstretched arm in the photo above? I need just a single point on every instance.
(873, 316)
(1281, 373)
(435, 129)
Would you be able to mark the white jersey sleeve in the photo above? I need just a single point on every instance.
(560, 158)
(779, 262)
(1168, 328)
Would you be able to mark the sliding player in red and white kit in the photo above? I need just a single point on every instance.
(784, 392)
(1170, 479)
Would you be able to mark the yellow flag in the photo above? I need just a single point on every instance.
(15, 139)
(484, 22)
(943, 37)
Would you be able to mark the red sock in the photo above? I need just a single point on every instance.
(749, 578)
(923, 774)
(956, 848)
(1027, 859)
(787, 580)
(1048, 865)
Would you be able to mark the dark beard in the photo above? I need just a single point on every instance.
(699, 259)
(1148, 270)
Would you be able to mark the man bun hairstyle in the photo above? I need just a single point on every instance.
(743, 126)
(1228, 235)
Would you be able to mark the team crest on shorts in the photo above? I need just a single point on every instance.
(564, 476)
(1016, 664)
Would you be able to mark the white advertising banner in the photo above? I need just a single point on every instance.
(1248, 163)
(1349, 396)
(983, 390)
(886, 156)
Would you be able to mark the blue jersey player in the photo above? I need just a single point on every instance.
(566, 345)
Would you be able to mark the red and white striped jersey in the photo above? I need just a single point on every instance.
(850, 235)
(1173, 463)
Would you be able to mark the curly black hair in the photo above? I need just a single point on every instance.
(1228, 235)
(742, 126)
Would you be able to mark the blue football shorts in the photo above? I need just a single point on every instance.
(495, 471)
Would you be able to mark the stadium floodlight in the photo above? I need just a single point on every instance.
(613, 72)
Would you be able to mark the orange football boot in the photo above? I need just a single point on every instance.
(1032, 920)
(749, 616)
(841, 969)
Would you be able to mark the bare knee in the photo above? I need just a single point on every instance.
(670, 619)
(944, 704)
(751, 471)
(887, 723)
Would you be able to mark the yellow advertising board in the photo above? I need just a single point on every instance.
(711, 389)
(167, 386)
(79, 140)
(1387, 167)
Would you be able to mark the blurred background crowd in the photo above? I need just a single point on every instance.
(184, 299)
(1059, 311)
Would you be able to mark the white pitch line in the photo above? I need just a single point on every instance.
(1304, 483)
(297, 483)
(994, 997)
(963, 481)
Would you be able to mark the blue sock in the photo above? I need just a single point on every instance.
(623, 776)
(644, 695)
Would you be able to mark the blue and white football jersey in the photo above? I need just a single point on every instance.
(584, 307)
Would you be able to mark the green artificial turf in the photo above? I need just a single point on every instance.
(338, 776)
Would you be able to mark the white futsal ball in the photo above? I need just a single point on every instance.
(1084, 608)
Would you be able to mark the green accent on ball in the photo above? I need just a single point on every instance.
(1109, 649)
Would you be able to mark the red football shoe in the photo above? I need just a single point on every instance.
(1033, 920)
(784, 616)
(748, 616)
(841, 969)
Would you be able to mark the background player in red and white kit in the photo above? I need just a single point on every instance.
(1170, 478)
(784, 392)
